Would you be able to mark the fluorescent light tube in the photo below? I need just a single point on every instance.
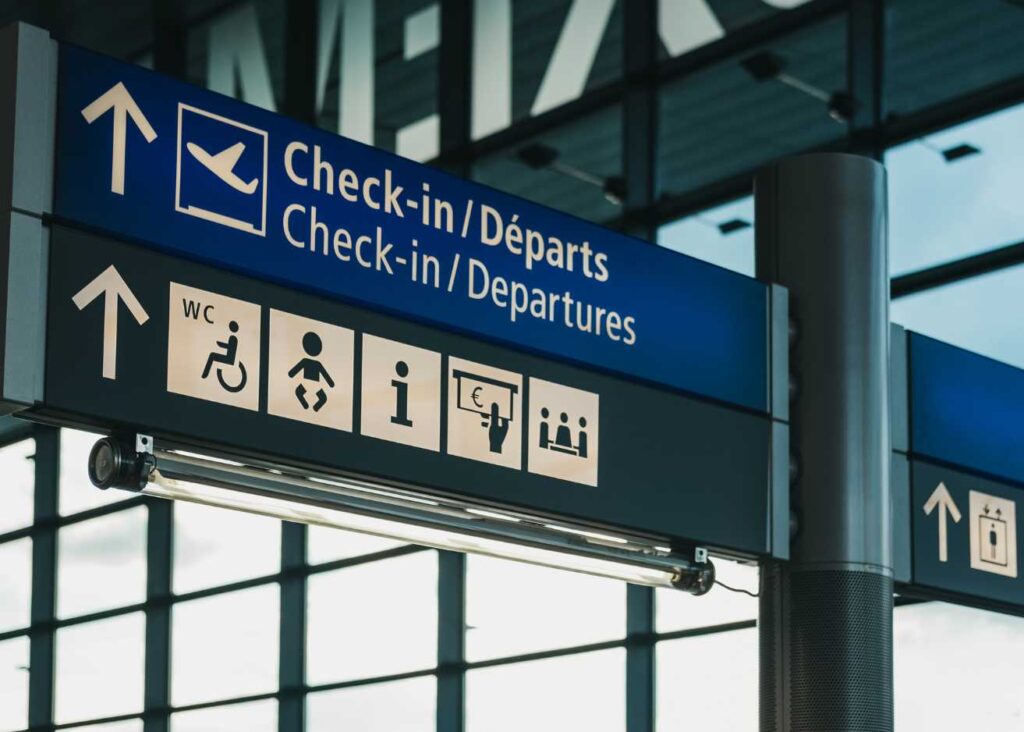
(290, 510)
(404, 513)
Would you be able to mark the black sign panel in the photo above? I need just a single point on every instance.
(965, 538)
(146, 342)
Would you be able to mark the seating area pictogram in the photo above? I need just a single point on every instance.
(563, 440)
(563, 432)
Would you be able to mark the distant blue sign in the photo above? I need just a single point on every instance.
(200, 175)
(966, 409)
(966, 475)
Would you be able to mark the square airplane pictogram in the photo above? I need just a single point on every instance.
(221, 170)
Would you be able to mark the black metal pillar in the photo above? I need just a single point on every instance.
(640, 117)
(44, 579)
(451, 642)
(169, 57)
(454, 77)
(639, 176)
(826, 615)
(299, 103)
(640, 672)
(453, 105)
(865, 76)
(160, 554)
(292, 663)
(300, 60)
(169, 38)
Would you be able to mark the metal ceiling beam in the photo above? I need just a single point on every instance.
(961, 269)
(964, 108)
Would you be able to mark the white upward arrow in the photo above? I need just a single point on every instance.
(110, 284)
(940, 497)
(118, 99)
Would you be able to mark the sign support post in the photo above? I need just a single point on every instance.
(826, 615)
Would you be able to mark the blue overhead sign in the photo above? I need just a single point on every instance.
(200, 175)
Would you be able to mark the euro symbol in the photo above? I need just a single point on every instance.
(475, 396)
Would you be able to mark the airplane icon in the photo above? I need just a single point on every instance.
(223, 163)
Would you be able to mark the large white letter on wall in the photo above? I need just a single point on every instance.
(492, 67)
(687, 24)
(420, 140)
(350, 24)
(574, 54)
(235, 44)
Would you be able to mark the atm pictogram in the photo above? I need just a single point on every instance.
(485, 420)
(564, 429)
(492, 399)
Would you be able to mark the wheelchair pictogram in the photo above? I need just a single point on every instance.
(228, 358)
(213, 347)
